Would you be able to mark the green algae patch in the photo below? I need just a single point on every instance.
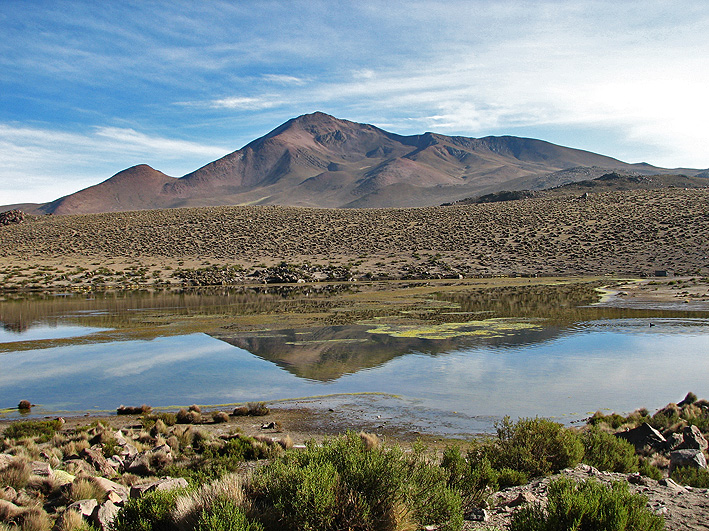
(485, 328)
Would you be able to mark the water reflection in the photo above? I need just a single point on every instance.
(454, 353)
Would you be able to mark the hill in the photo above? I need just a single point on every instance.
(317, 160)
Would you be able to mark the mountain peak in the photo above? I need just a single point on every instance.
(318, 160)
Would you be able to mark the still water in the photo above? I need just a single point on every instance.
(435, 361)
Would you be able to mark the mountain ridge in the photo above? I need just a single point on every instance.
(317, 160)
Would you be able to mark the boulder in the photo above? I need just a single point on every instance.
(104, 514)
(674, 441)
(644, 436)
(62, 477)
(40, 468)
(522, 499)
(96, 458)
(693, 439)
(687, 458)
(84, 507)
(167, 483)
(139, 464)
(111, 487)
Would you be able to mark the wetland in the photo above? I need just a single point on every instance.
(447, 357)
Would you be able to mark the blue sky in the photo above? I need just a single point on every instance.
(90, 88)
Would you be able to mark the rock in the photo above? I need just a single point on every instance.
(12, 216)
(476, 514)
(140, 464)
(644, 436)
(84, 507)
(62, 477)
(104, 514)
(99, 462)
(674, 441)
(116, 461)
(9, 510)
(128, 450)
(120, 438)
(693, 439)
(523, 498)
(40, 468)
(688, 457)
(637, 479)
(167, 483)
(672, 484)
(111, 487)
(8, 494)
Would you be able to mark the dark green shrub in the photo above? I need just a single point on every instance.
(613, 420)
(536, 447)
(588, 506)
(605, 451)
(225, 515)
(150, 512)
(694, 477)
(651, 471)
(510, 478)
(41, 430)
(344, 485)
(473, 477)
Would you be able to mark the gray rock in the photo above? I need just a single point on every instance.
(167, 483)
(674, 441)
(689, 458)
(693, 439)
(672, 484)
(84, 507)
(97, 459)
(104, 514)
(477, 514)
(40, 468)
(139, 464)
(644, 436)
(522, 499)
(111, 487)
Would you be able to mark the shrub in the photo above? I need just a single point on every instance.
(646, 468)
(605, 451)
(257, 409)
(41, 430)
(694, 477)
(219, 416)
(225, 515)
(613, 420)
(150, 512)
(185, 416)
(72, 521)
(536, 447)
(342, 485)
(587, 505)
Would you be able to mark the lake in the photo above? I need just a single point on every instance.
(449, 358)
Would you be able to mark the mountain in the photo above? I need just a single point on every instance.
(317, 160)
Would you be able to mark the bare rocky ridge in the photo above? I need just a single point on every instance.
(317, 160)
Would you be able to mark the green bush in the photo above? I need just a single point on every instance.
(649, 470)
(605, 451)
(694, 477)
(225, 515)
(587, 506)
(41, 430)
(536, 447)
(343, 485)
(150, 512)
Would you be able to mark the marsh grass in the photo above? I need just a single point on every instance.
(40, 430)
(16, 474)
(85, 489)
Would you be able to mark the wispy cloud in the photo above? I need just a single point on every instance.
(241, 103)
(39, 164)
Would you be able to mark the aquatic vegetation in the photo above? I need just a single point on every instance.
(489, 328)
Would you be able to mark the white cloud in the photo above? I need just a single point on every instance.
(284, 80)
(38, 165)
(244, 103)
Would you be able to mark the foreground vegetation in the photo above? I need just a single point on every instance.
(346, 482)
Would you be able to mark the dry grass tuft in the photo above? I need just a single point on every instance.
(71, 521)
(195, 408)
(16, 474)
(220, 417)
(35, 519)
(86, 489)
(185, 416)
(370, 440)
(285, 442)
(190, 506)
(159, 428)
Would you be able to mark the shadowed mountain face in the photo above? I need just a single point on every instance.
(317, 160)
